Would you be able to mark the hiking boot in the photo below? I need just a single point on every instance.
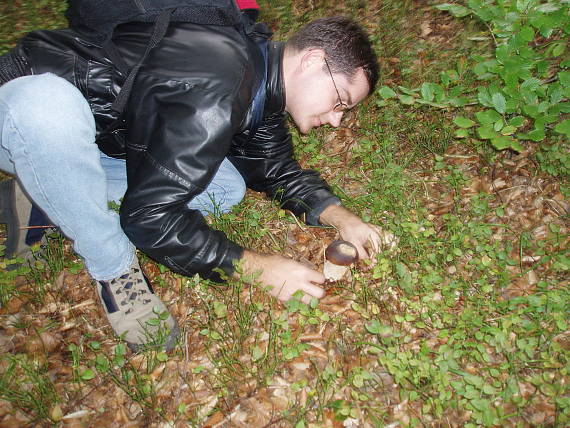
(135, 313)
(25, 223)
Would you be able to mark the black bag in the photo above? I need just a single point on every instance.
(96, 20)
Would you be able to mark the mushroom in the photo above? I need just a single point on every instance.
(339, 256)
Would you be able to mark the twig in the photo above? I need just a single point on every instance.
(297, 221)
(36, 227)
(553, 203)
(423, 182)
(492, 35)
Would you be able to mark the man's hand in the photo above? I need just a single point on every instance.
(283, 276)
(368, 238)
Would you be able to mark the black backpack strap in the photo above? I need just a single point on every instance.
(158, 31)
(258, 35)
(96, 20)
(115, 56)
(258, 104)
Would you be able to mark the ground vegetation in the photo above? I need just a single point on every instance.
(465, 324)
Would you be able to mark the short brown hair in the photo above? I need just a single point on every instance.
(346, 46)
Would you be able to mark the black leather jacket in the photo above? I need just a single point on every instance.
(189, 108)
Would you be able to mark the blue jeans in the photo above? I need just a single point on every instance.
(47, 140)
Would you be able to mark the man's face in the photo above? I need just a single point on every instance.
(311, 97)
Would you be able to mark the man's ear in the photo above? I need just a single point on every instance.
(311, 58)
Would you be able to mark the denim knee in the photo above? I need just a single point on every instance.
(47, 108)
(235, 192)
(226, 189)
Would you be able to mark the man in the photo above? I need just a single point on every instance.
(189, 150)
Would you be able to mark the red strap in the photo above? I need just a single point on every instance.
(247, 4)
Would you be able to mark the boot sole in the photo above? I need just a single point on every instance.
(168, 345)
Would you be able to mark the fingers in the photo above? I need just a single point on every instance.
(315, 276)
(308, 284)
(369, 241)
(306, 299)
(375, 239)
(373, 245)
(363, 253)
(312, 290)
(309, 291)
(299, 277)
(389, 240)
(380, 239)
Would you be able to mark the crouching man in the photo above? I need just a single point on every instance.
(186, 147)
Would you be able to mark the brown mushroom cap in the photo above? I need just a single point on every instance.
(341, 253)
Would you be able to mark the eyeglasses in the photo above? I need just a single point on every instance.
(340, 106)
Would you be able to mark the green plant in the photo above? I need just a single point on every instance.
(10, 269)
(25, 383)
(80, 373)
(555, 159)
(135, 380)
(524, 85)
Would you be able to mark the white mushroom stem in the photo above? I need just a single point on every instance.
(334, 272)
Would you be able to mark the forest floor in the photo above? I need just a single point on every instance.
(465, 324)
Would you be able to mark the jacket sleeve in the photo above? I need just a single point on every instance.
(178, 135)
(267, 165)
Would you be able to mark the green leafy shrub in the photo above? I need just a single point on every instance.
(523, 85)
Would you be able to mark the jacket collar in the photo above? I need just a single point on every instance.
(275, 89)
